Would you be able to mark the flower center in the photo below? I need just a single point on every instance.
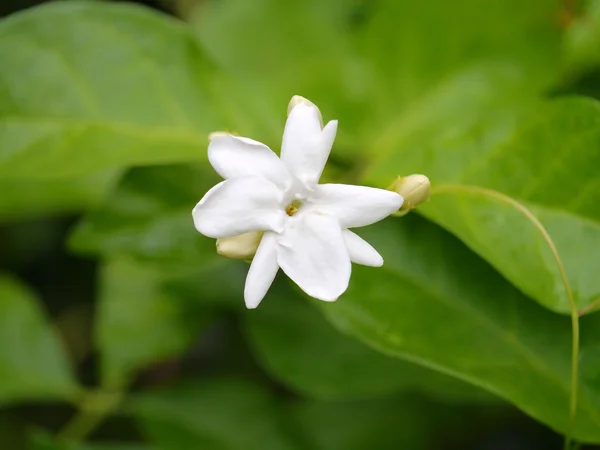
(293, 207)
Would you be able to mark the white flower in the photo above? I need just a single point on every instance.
(305, 224)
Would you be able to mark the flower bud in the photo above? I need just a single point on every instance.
(296, 100)
(215, 134)
(239, 247)
(415, 189)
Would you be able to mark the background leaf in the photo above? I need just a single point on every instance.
(581, 42)
(89, 85)
(399, 422)
(530, 155)
(139, 322)
(369, 61)
(203, 415)
(302, 350)
(410, 60)
(437, 304)
(149, 216)
(32, 362)
(303, 50)
(41, 441)
(26, 199)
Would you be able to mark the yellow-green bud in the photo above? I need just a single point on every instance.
(239, 247)
(215, 134)
(296, 100)
(415, 189)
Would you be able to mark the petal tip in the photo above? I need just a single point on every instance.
(327, 299)
(251, 301)
(332, 124)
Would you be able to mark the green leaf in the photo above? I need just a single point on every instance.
(304, 49)
(140, 322)
(149, 217)
(224, 414)
(300, 348)
(33, 364)
(408, 59)
(92, 85)
(581, 44)
(406, 422)
(437, 304)
(24, 199)
(541, 154)
(365, 62)
(218, 285)
(13, 429)
(42, 441)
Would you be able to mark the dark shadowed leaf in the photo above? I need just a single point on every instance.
(33, 364)
(42, 441)
(224, 414)
(139, 322)
(406, 422)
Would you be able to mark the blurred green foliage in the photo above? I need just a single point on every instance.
(105, 110)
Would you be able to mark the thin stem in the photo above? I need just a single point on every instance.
(591, 307)
(93, 410)
(563, 274)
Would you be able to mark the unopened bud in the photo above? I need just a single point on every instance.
(215, 134)
(239, 247)
(415, 189)
(297, 100)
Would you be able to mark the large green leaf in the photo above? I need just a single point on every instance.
(365, 62)
(301, 349)
(140, 322)
(542, 154)
(33, 364)
(224, 414)
(437, 304)
(91, 85)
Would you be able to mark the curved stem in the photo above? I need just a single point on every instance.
(93, 410)
(591, 307)
(563, 274)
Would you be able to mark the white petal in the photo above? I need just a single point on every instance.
(233, 156)
(361, 252)
(305, 146)
(313, 254)
(354, 206)
(262, 271)
(210, 192)
(239, 205)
